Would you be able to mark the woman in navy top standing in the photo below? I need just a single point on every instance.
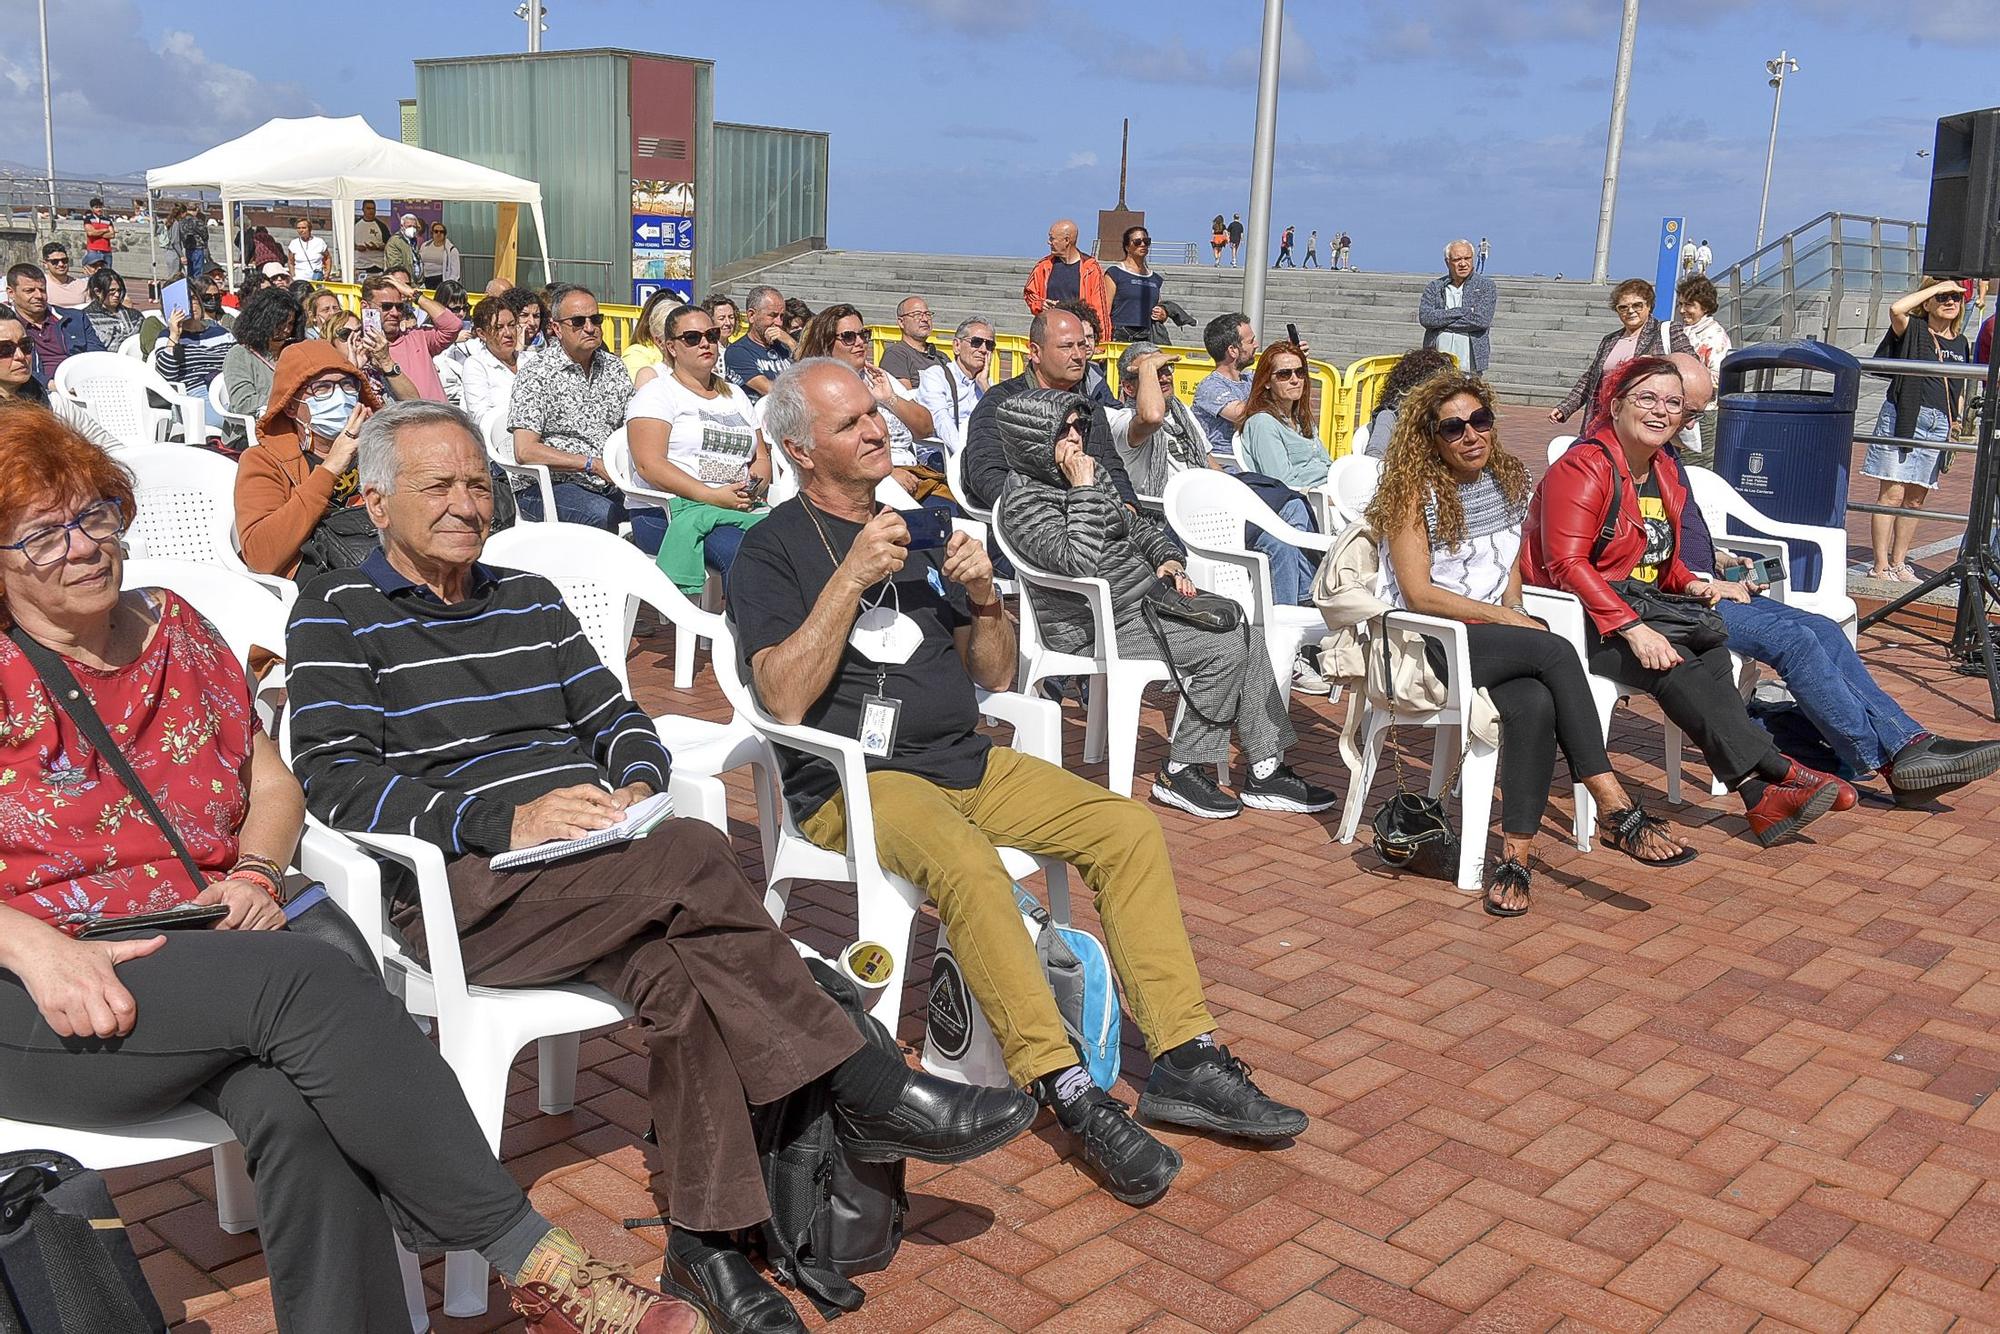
(1132, 289)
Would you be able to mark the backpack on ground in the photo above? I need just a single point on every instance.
(66, 1263)
(832, 1216)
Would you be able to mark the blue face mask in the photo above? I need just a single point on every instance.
(330, 409)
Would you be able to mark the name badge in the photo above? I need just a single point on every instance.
(879, 716)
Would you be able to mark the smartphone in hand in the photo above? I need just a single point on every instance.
(371, 321)
(929, 528)
(1292, 333)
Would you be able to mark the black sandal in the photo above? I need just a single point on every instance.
(1631, 829)
(1509, 877)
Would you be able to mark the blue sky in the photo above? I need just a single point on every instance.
(965, 125)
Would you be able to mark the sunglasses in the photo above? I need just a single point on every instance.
(13, 347)
(1956, 298)
(58, 260)
(1450, 429)
(851, 336)
(1077, 426)
(594, 320)
(348, 334)
(1142, 240)
(400, 307)
(1289, 373)
(1629, 308)
(980, 344)
(696, 337)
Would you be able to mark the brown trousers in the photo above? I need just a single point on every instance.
(670, 925)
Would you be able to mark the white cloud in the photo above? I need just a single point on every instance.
(1080, 160)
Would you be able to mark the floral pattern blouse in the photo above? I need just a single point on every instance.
(74, 844)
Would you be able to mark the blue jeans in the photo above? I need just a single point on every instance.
(1291, 567)
(575, 504)
(1834, 690)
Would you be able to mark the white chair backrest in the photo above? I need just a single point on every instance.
(186, 502)
(954, 476)
(114, 390)
(132, 348)
(1560, 446)
(1236, 448)
(243, 611)
(218, 394)
(1205, 508)
(1351, 482)
(624, 474)
(493, 430)
(1359, 444)
(784, 477)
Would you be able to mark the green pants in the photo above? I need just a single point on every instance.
(689, 523)
(943, 840)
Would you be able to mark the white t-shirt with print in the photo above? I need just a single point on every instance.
(710, 439)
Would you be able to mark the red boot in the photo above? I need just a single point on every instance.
(1791, 804)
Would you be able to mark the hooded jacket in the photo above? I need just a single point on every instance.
(281, 492)
(1074, 531)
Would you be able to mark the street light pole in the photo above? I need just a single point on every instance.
(532, 11)
(1614, 143)
(1777, 69)
(48, 114)
(1263, 150)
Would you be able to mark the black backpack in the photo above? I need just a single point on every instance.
(66, 1263)
(831, 1216)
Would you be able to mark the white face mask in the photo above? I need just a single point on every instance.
(886, 636)
(410, 233)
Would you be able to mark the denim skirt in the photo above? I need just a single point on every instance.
(1907, 463)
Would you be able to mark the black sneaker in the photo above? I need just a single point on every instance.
(1217, 1094)
(1931, 766)
(1284, 790)
(1134, 1167)
(1194, 791)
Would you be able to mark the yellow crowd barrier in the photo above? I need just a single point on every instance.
(1341, 399)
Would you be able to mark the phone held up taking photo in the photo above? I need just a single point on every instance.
(929, 529)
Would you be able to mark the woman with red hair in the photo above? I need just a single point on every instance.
(1604, 525)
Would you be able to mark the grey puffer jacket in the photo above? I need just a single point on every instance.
(1076, 531)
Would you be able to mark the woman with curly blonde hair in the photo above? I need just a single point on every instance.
(1449, 512)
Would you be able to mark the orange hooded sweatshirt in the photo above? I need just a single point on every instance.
(281, 491)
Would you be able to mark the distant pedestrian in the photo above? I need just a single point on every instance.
(1484, 250)
(1343, 257)
(1218, 237)
(1067, 274)
(1235, 237)
(1457, 310)
(1312, 250)
(1688, 255)
(1703, 257)
(1284, 250)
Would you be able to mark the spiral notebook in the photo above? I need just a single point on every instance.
(640, 819)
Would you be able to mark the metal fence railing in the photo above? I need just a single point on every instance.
(1832, 279)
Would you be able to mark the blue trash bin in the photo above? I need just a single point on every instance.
(1787, 451)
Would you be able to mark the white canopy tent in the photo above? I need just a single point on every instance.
(343, 160)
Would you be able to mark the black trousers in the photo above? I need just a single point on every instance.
(1543, 697)
(1700, 697)
(343, 1108)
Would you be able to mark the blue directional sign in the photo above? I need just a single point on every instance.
(658, 231)
(1673, 231)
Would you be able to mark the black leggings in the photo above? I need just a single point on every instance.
(1700, 697)
(1543, 697)
(344, 1111)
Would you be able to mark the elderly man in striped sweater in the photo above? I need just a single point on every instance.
(435, 696)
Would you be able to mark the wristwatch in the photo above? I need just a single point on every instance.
(996, 608)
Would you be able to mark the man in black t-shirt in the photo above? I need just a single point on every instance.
(843, 627)
(911, 355)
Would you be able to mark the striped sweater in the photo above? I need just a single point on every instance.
(413, 717)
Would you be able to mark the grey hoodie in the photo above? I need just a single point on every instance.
(1080, 531)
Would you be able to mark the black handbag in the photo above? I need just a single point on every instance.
(319, 918)
(66, 1261)
(1412, 831)
(1210, 612)
(1688, 623)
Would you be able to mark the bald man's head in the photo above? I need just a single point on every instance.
(1062, 238)
(1697, 386)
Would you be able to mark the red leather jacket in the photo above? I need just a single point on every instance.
(1566, 515)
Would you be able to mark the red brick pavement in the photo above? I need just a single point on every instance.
(1752, 1090)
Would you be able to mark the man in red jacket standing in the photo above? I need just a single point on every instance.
(1066, 274)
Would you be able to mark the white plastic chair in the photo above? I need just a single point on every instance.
(624, 475)
(218, 394)
(603, 579)
(132, 348)
(1350, 485)
(186, 503)
(954, 475)
(1207, 511)
(1452, 721)
(1560, 446)
(500, 448)
(1720, 503)
(1117, 682)
(886, 905)
(119, 392)
(1359, 443)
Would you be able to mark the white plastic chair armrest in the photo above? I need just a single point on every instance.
(686, 798)
(1769, 547)
(426, 861)
(539, 472)
(1457, 651)
(352, 878)
(193, 419)
(1037, 723)
(851, 767)
(1561, 610)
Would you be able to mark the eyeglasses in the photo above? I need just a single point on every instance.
(1138, 241)
(400, 307)
(1289, 373)
(58, 260)
(594, 320)
(1076, 426)
(45, 546)
(1956, 298)
(696, 337)
(348, 334)
(1650, 400)
(914, 315)
(1450, 429)
(459, 308)
(15, 347)
(979, 344)
(851, 336)
(1629, 307)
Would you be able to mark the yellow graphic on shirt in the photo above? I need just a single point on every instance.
(1659, 539)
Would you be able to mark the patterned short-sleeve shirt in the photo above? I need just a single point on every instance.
(571, 410)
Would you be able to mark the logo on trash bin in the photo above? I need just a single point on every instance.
(1756, 465)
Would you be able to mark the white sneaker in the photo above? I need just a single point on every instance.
(1306, 679)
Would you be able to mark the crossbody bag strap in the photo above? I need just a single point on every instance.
(1610, 529)
(61, 684)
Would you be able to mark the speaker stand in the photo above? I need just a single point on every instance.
(1976, 571)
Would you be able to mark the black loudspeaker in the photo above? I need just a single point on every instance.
(1962, 238)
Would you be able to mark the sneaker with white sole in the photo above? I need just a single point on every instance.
(1284, 790)
(1306, 679)
(1194, 791)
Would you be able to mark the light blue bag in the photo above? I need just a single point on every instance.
(1079, 974)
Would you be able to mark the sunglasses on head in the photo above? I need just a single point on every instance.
(594, 320)
(1450, 429)
(696, 337)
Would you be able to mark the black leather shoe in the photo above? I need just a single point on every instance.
(1931, 766)
(938, 1121)
(723, 1285)
(1217, 1095)
(1134, 1167)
